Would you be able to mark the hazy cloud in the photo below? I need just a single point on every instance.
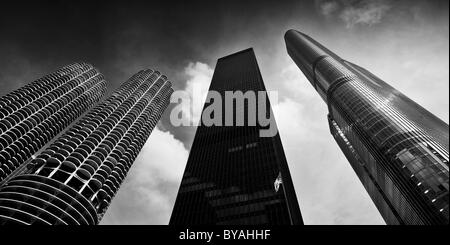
(327, 8)
(368, 12)
(199, 77)
(355, 12)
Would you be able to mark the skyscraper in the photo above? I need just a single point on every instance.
(397, 148)
(32, 115)
(74, 180)
(233, 175)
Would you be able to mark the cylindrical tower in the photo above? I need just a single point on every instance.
(32, 115)
(74, 180)
(398, 149)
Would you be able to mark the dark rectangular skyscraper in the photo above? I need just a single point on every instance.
(232, 174)
(397, 148)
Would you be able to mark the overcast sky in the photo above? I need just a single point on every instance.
(405, 43)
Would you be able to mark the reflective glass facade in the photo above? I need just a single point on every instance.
(34, 114)
(74, 180)
(231, 170)
(398, 149)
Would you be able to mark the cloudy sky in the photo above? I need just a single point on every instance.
(404, 42)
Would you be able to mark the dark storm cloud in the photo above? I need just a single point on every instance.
(122, 37)
(107, 32)
(37, 37)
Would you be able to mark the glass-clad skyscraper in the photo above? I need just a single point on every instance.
(233, 175)
(397, 148)
(34, 114)
(74, 179)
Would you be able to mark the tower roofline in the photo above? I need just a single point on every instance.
(239, 52)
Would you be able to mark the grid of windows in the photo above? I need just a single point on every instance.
(230, 174)
(397, 148)
(90, 160)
